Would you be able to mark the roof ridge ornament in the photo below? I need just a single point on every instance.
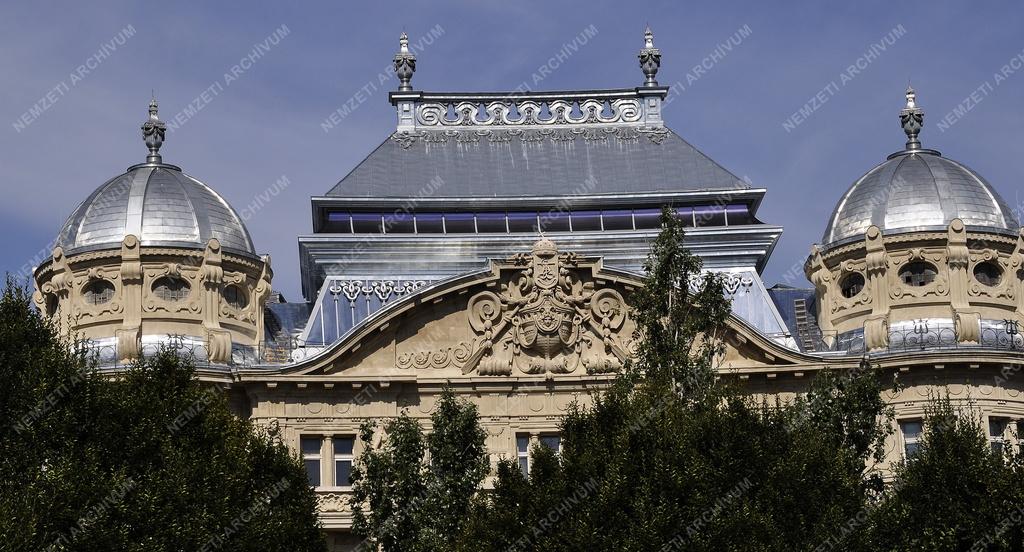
(405, 63)
(153, 131)
(650, 59)
(912, 119)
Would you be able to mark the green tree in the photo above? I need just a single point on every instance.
(669, 459)
(390, 482)
(955, 492)
(47, 396)
(680, 312)
(417, 489)
(151, 459)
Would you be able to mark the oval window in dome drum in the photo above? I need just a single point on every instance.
(918, 273)
(171, 289)
(98, 292)
(235, 296)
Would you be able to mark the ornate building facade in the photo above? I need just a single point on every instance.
(493, 242)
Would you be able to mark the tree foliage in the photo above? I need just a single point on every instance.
(149, 460)
(669, 458)
(413, 493)
(955, 493)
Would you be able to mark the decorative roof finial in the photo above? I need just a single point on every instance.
(650, 59)
(405, 63)
(153, 131)
(912, 118)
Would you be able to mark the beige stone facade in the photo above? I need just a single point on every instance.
(523, 352)
(920, 272)
(139, 295)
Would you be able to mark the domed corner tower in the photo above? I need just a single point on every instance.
(155, 257)
(920, 249)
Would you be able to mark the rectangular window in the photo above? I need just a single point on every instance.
(685, 215)
(737, 215)
(343, 460)
(366, 223)
(647, 218)
(911, 431)
(311, 447)
(553, 442)
(997, 433)
(523, 452)
(339, 222)
(711, 215)
(459, 223)
(555, 220)
(399, 222)
(491, 222)
(618, 219)
(429, 223)
(586, 221)
(522, 221)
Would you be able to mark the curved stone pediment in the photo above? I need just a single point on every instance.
(543, 312)
(549, 314)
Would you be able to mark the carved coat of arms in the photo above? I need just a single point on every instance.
(546, 319)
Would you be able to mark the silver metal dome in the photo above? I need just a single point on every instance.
(918, 189)
(161, 206)
(156, 203)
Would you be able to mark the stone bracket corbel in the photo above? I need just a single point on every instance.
(968, 326)
(876, 332)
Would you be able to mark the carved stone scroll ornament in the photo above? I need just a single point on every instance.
(513, 112)
(545, 319)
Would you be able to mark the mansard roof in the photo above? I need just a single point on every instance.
(516, 144)
(560, 155)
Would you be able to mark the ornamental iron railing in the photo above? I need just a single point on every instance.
(280, 352)
(923, 336)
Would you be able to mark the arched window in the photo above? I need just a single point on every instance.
(169, 288)
(917, 274)
(988, 273)
(852, 284)
(235, 296)
(98, 292)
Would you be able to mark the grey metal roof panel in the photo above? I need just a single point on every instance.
(161, 206)
(473, 163)
(914, 190)
(285, 320)
(784, 298)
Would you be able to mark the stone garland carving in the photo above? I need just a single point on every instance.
(406, 139)
(544, 319)
(332, 501)
(529, 112)
(442, 358)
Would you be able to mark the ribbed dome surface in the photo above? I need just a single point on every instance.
(161, 206)
(918, 190)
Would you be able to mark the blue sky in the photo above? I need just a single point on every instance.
(266, 123)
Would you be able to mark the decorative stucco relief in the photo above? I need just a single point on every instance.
(548, 316)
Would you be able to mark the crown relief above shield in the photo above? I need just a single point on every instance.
(549, 316)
